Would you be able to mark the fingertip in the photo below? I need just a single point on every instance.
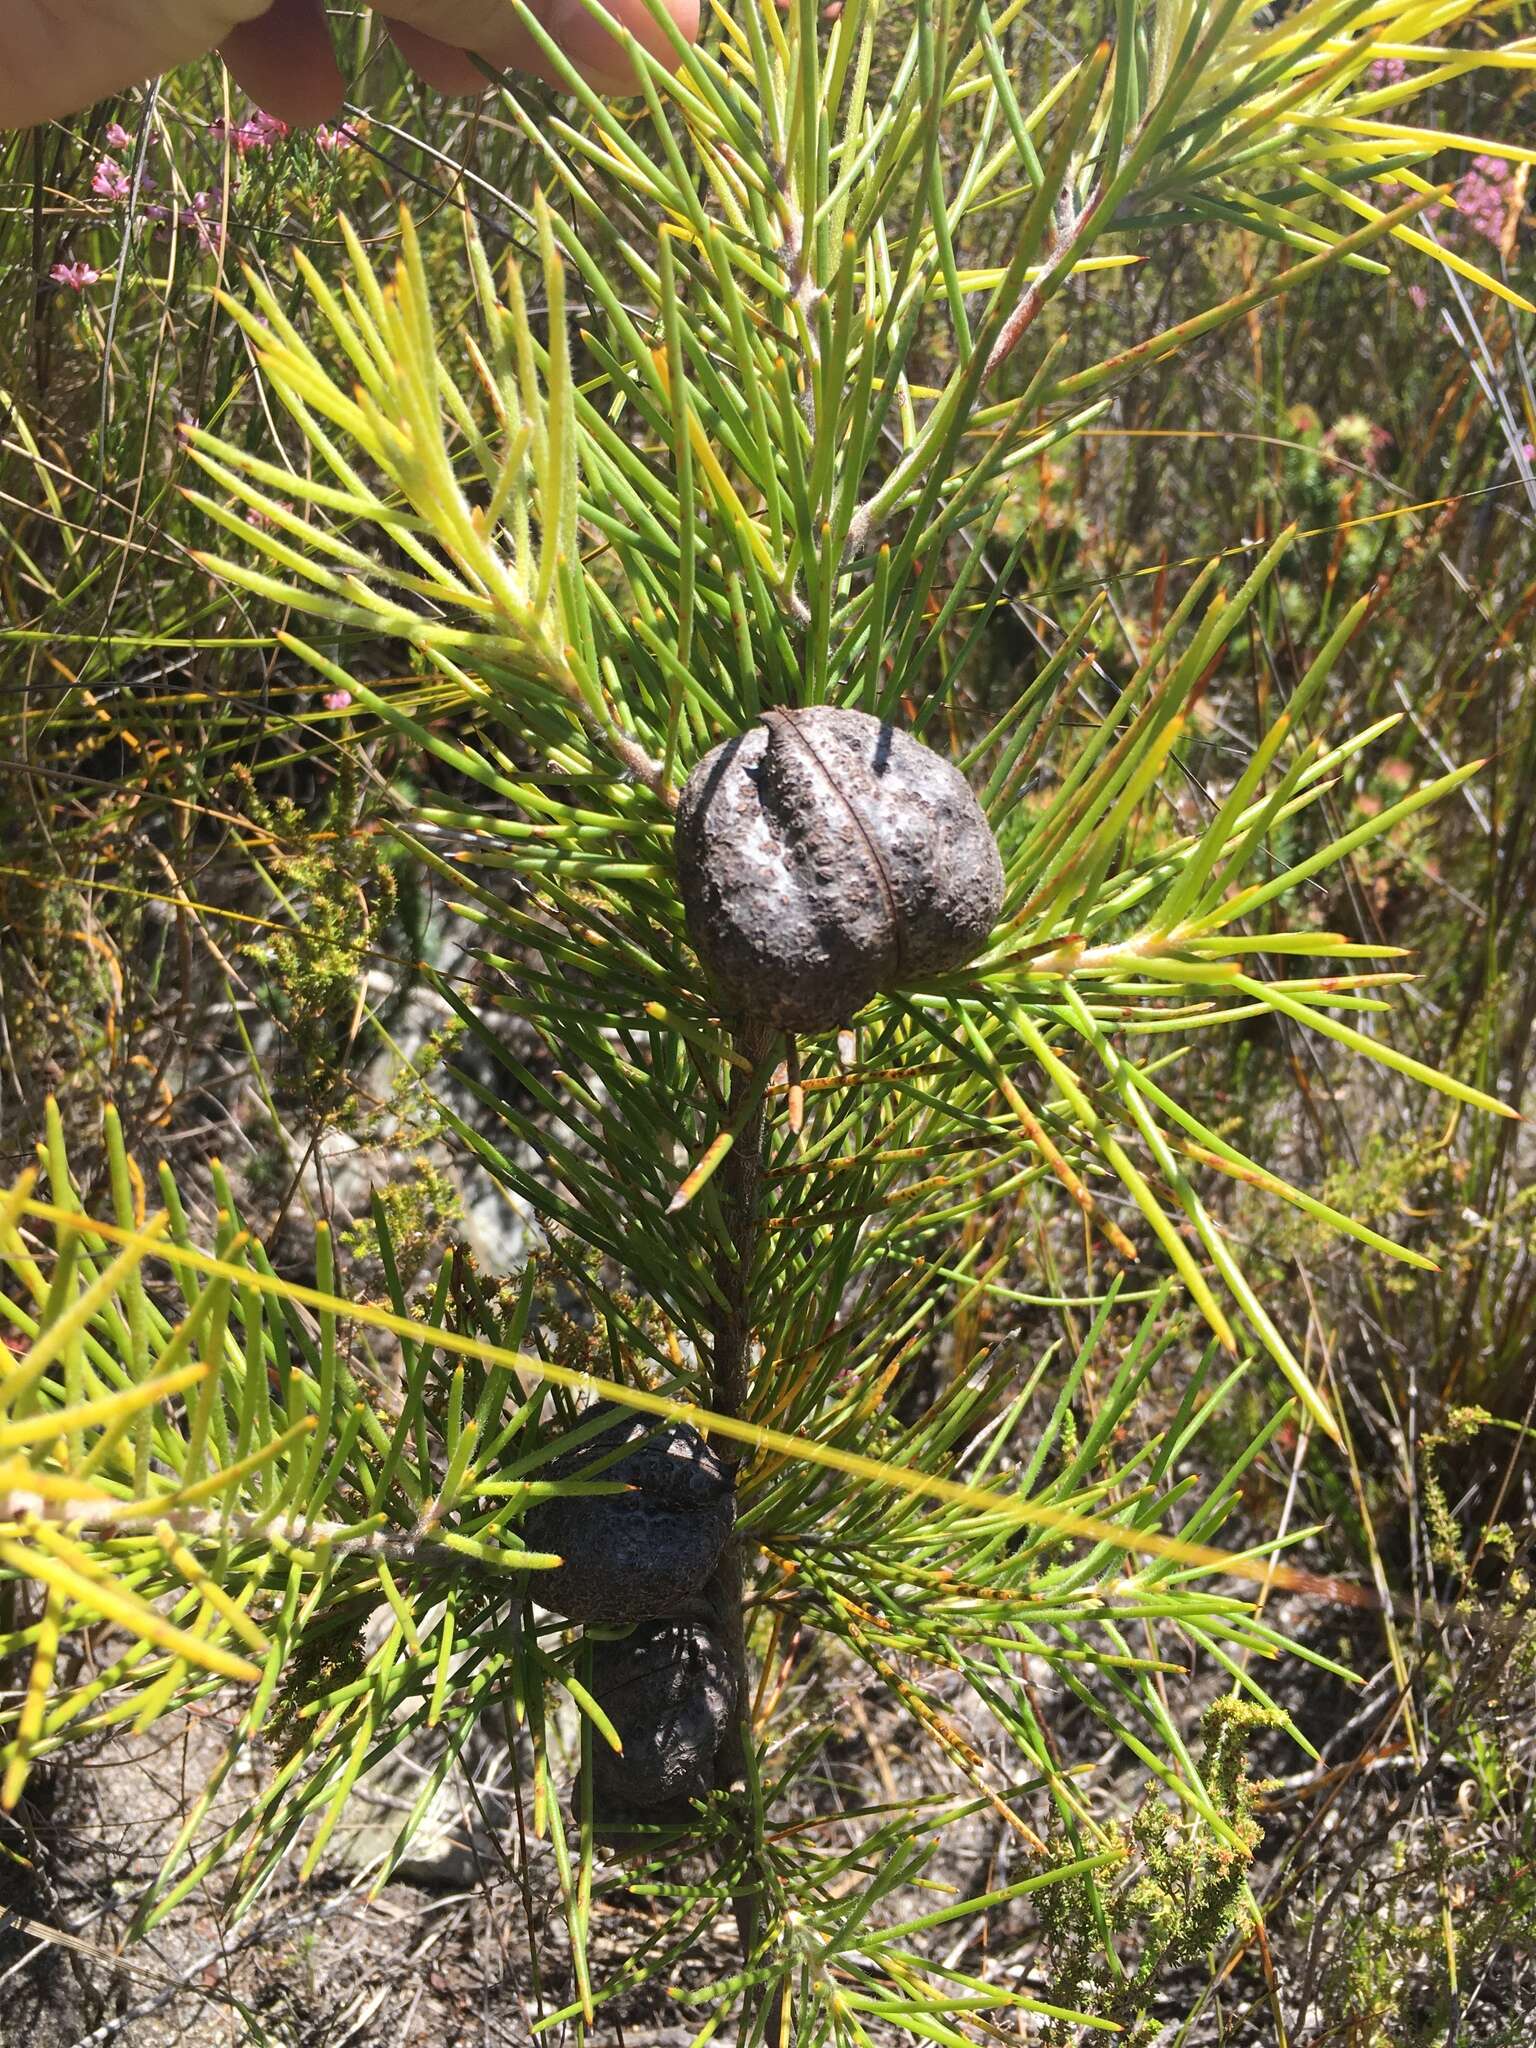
(597, 52)
(285, 62)
(444, 67)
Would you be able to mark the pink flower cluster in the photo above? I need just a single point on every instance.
(1387, 71)
(257, 131)
(1483, 197)
(1481, 200)
(202, 218)
(109, 180)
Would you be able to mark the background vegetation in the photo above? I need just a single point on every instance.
(244, 904)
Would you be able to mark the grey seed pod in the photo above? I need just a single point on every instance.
(822, 857)
(668, 1689)
(629, 1556)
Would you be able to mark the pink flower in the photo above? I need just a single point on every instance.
(257, 131)
(110, 180)
(336, 700)
(75, 275)
(1481, 198)
(119, 137)
(332, 141)
(1419, 296)
(202, 220)
(1387, 71)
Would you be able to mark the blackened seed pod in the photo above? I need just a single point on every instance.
(824, 856)
(632, 1555)
(668, 1689)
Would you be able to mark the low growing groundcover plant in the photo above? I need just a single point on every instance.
(713, 469)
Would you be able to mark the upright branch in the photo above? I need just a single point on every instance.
(741, 1178)
(1061, 246)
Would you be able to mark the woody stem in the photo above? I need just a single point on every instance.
(740, 1188)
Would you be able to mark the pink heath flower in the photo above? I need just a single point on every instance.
(202, 220)
(1482, 198)
(75, 275)
(119, 137)
(110, 180)
(336, 700)
(257, 131)
(1387, 71)
(209, 235)
(332, 141)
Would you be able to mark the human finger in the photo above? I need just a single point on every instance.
(491, 29)
(284, 60)
(596, 51)
(58, 56)
(444, 66)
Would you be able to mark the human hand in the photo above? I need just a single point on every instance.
(57, 56)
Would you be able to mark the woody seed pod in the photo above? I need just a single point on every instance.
(632, 1555)
(668, 1689)
(823, 856)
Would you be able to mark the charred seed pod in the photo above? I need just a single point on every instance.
(629, 1556)
(822, 857)
(667, 1688)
